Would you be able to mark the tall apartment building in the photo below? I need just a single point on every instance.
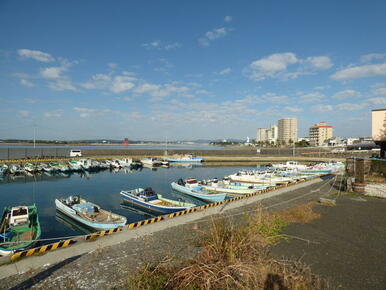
(288, 129)
(267, 134)
(319, 133)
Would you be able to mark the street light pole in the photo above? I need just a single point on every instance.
(34, 136)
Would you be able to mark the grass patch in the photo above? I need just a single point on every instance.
(301, 214)
(234, 257)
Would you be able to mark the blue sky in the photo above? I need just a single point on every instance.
(188, 69)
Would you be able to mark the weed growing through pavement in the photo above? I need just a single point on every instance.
(233, 257)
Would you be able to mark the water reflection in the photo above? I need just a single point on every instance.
(101, 188)
(72, 224)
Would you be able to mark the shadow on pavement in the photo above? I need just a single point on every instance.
(44, 274)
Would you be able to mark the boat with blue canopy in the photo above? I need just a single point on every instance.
(149, 200)
(88, 213)
(191, 187)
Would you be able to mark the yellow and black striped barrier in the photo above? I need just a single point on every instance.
(145, 222)
(179, 213)
(102, 233)
(42, 249)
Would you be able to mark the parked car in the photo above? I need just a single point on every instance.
(75, 153)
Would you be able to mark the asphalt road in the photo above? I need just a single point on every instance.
(348, 243)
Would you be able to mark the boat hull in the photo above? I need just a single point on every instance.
(193, 160)
(209, 197)
(35, 225)
(94, 225)
(132, 201)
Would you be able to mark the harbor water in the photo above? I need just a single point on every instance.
(101, 188)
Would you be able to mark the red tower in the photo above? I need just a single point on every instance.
(125, 142)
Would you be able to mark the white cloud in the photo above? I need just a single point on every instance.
(271, 65)
(294, 109)
(319, 62)
(24, 113)
(224, 71)
(350, 107)
(26, 83)
(213, 34)
(116, 84)
(53, 114)
(357, 72)
(216, 33)
(261, 99)
(173, 45)
(36, 55)
(84, 112)
(372, 56)
(62, 84)
(322, 108)
(379, 91)
(160, 91)
(321, 88)
(228, 18)
(54, 72)
(122, 84)
(311, 97)
(346, 94)
(157, 44)
(132, 116)
(376, 101)
(98, 81)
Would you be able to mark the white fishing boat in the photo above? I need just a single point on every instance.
(229, 187)
(260, 179)
(294, 165)
(16, 169)
(187, 158)
(89, 213)
(147, 199)
(151, 161)
(3, 169)
(191, 187)
(75, 165)
(125, 162)
(86, 164)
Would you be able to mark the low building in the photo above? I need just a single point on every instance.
(319, 133)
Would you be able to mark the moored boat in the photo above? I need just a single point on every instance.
(75, 165)
(3, 169)
(191, 187)
(89, 213)
(147, 199)
(151, 161)
(19, 229)
(187, 158)
(233, 188)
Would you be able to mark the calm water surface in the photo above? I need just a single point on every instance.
(101, 188)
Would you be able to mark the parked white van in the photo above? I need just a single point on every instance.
(75, 153)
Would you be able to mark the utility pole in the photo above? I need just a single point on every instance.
(293, 150)
(34, 136)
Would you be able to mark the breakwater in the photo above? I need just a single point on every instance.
(237, 153)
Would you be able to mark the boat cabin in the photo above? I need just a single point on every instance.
(148, 194)
(191, 183)
(19, 215)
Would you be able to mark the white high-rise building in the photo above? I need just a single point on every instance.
(288, 130)
(267, 134)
